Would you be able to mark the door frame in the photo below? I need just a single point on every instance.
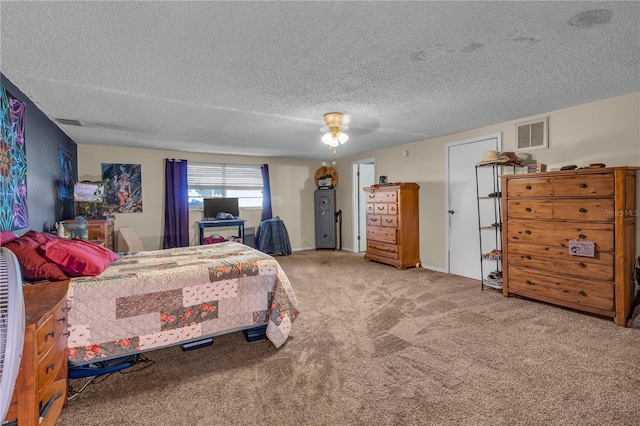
(497, 136)
(355, 190)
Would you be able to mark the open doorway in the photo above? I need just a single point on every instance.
(364, 174)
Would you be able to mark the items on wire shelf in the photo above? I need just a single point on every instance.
(494, 279)
(494, 254)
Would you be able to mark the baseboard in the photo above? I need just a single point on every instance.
(433, 268)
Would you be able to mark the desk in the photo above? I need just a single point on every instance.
(222, 223)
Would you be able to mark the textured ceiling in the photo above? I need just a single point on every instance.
(255, 78)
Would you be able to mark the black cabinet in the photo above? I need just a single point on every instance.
(325, 216)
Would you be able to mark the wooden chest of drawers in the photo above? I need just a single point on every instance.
(100, 229)
(393, 235)
(544, 212)
(41, 386)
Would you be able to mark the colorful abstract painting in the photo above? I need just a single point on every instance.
(124, 187)
(65, 163)
(14, 212)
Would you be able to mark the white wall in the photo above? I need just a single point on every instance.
(607, 132)
(292, 186)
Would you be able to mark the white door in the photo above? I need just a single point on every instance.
(463, 239)
(364, 174)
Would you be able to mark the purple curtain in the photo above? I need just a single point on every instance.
(266, 193)
(176, 204)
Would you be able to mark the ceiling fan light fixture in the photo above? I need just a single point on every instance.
(334, 135)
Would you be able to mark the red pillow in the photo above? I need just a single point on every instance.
(6, 236)
(78, 258)
(33, 266)
(40, 237)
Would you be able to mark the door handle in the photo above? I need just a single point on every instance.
(451, 212)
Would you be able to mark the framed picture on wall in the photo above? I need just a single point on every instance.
(124, 187)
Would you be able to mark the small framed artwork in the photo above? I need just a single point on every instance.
(382, 179)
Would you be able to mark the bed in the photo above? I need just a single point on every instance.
(155, 299)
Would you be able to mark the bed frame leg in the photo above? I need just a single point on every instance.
(256, 333)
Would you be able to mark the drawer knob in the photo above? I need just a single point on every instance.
(372, 196)
(582, 210)
(582, 236)
(528, 187)
(583, 185)
(528, 209)
(51, 366)
(66, 308)
(51, 333)
(63, 319)
(374, 219)
(388, 221)
(527, 257)
(582, 265)
(68, 333)
(527, 282)
(380, 208)
(582, 293)
(527, 232)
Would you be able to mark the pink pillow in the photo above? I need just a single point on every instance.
(6, 236)
(33, 266)
(78, 258)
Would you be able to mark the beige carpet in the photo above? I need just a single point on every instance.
(378, 346)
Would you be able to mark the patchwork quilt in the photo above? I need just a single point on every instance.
(155, 299)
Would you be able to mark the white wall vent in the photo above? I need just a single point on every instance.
(532, 134)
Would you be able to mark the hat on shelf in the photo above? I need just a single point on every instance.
(512, 159)
(492, 157)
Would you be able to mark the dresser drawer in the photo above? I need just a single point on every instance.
(584, 209)
(382, 197)
(584, 186)
(380, 208)
(559, 233)
(558, 259)
(587, 209)
(50, 363)
(530, 209)
(530, 187)
(51, 328)
(593, 296)
(370, 208)
(382, 249)
(390, 221)
(56, 395)
(387, 235)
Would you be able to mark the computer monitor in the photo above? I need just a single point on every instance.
(213, 206)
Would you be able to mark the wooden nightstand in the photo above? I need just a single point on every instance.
(100, 229)
(41, 387)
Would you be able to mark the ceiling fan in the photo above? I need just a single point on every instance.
(335, 124)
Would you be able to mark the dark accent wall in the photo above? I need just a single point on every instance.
(42, 138)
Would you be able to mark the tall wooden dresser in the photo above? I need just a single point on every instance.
(41, 387)
(393, 233)
(569, 238)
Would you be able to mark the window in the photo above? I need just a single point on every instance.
(206, 180)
